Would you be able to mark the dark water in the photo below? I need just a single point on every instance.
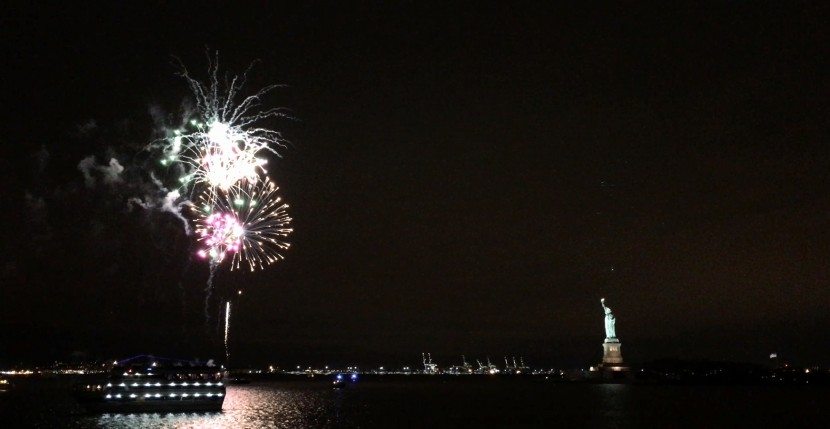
(483, 402)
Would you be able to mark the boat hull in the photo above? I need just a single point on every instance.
(151, 397)
(162, 406)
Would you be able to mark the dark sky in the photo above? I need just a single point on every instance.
(463, 181)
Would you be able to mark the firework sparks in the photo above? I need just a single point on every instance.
(219, 154)
(224, 146)
(250, 221)
(221, 233)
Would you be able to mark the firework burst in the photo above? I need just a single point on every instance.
(219, 153)
(220, 233)
(224, 145)
(251, 223)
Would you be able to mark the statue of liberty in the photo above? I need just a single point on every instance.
(610, 322)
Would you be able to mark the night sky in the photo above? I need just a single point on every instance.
(462, 180)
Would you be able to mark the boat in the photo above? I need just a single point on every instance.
(342, 380)
(173, 386)
(5, 385)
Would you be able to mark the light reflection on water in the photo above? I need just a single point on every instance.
(444, 403)
(260, 406)
(612, 399)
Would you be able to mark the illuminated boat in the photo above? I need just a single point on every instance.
(156, 387)
(341, 380)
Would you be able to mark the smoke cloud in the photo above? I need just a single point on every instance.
(166, 201)
(110, 174)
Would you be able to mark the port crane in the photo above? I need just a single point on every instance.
(429, 367)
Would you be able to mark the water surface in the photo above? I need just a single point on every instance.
(474, 402)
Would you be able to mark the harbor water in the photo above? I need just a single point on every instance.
(444, 403)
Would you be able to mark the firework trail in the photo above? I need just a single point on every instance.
(227, 328)
(209, 293)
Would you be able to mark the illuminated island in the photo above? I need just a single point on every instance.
(612, 365)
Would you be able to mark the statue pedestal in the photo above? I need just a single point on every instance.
(612, 369)
(612, 353)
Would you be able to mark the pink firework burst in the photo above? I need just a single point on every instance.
(220, 233)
